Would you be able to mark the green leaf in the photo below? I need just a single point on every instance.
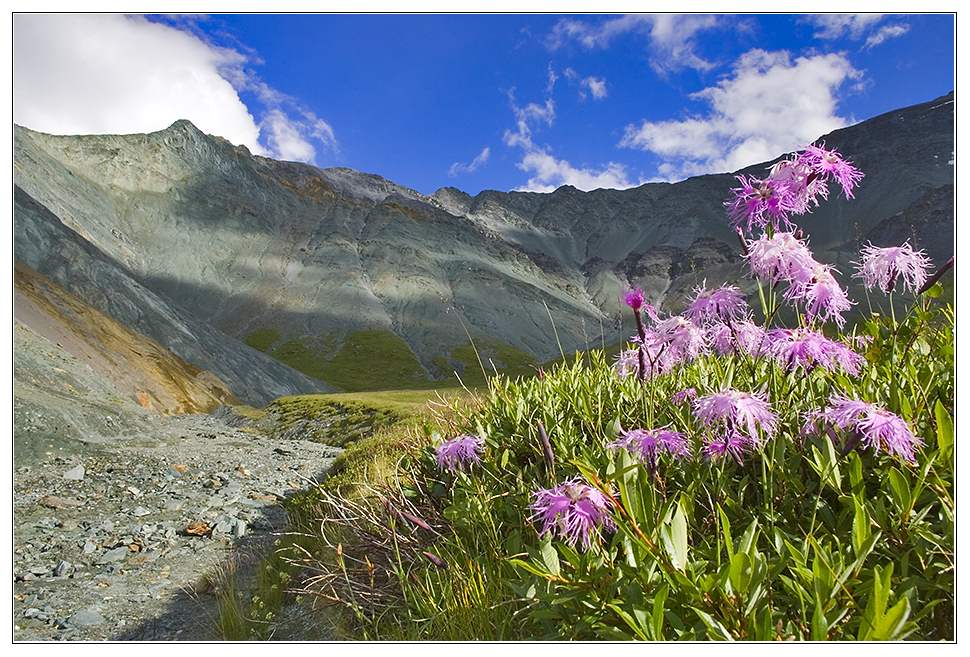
(861, 527)
(944, 429)
(902, 495)
(675, 538)
(549, 556)
(714, 627)
(726, 530)
(658, 613)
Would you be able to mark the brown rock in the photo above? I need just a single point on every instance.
(197, 528)
(55, 502)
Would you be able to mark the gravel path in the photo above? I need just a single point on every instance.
(116, 541)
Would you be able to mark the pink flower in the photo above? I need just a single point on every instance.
(876, 427)
(737, 411)
(573, 510)
(731, 444)
(739, 337)
(881, 267)
(681, 396)
(808, 349)
(627, 362)
(634, 299)
(647, 445)
(758, 203)
(459, 452)
(725, 303)
(821, 294)
(830, 164)
(802, 184)
(779, 257)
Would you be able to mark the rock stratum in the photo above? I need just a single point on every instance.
(259, 278)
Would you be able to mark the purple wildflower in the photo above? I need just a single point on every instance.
(683, 339)
(742, 337)
(808, 349)
(572, 510)
(738, 411)
(627, 362)
(802, 185)
(731, 444)
(459, 452)
(881, 267)
(829, 163)
(648, 444)
(725, 303)
(779, 257)
(822, 295)
(758, 203)
(681, 396)
(878, 429)
(634, 299)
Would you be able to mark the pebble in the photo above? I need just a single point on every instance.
(75, 474)
(140, 511)
(117, 554)
(87, 617)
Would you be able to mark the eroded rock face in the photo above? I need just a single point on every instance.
(200, 245)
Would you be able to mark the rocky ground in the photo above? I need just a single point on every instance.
(124, 540)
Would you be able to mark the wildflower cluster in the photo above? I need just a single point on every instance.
(792, 187)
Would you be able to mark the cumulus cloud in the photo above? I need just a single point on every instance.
(885, 33)
(835, 26)
(547, 171)
(109, 73)
(856, 27)
(477, 162)
(595, 86)
(769, 105)
(670, 37)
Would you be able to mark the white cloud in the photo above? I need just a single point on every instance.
(549, 172)
(834, 26)
(477, 162)
(769, 105)
(596, 87)
(671, 37)
(885, 33)
(115, 74)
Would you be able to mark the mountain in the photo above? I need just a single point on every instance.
(250, 268)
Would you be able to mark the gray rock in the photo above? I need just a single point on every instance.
(140, 511)
(63, 569)
(75, 474)
(89, 547)
(88, 617)
(115, 555)
(239, 529)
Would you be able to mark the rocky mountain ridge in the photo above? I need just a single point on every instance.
(219, 255)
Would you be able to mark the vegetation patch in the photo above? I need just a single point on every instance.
(262, 339)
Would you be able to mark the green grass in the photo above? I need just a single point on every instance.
(378, 429)
(800, 540)
(262, 339)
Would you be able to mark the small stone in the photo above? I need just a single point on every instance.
(75, 474)
(63, 569)
(140, 511)
(134, 491)
(89, 547)
(179, 469)
(239, 529)
(55, 502)
(196, 528)
(111, 556)
(86, 618)
(242, 471)
(40, 570)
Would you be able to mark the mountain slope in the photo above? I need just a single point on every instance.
(305, 263)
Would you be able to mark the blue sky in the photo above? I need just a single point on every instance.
(489, 101)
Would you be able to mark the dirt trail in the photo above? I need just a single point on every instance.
(112, 552)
